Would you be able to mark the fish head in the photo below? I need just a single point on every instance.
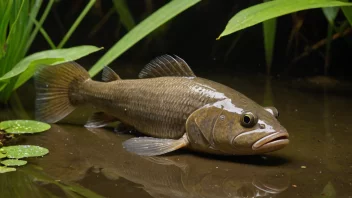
(236, 130)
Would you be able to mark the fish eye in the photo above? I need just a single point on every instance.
(248, 119)
(273, 111)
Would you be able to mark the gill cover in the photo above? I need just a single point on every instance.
(210, 127)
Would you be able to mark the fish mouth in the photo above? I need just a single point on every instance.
(274, 141)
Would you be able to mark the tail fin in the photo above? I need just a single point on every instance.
(57, 88)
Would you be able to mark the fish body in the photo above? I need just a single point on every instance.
(169, 104)
(157, 107)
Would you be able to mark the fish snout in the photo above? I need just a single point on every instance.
(272, 142)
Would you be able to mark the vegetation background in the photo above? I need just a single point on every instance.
(192, 36)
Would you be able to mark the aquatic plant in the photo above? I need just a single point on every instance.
(10, 155)
(267, 12)
(155, 20)
(19, 25)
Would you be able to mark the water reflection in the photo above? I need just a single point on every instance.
(179, 177)
(74, 151)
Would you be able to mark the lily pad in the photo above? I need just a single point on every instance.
(14, 162)
(21, 151)
(23, 126)
(2, 155)
(4, 169)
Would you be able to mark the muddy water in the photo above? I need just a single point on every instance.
(92, 163)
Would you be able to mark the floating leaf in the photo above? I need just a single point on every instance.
(14, 162)
(22, 151)
(268, 10)
(2, 155)
(4, 169)
(23, 126)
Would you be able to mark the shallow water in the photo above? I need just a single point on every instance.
(92, 163)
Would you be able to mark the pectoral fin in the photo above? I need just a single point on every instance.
(100, 119)
(149, 146)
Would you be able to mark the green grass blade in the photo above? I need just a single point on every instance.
(69, 54)
(328, 48)
(44, 34)
(76, 23)
(331, 13)
(124, 13)
(39, 25)
(33, 12)
(272, 9)
(16, 40)
(269, 31)
(155, 20)
(5, 11)
(347, 11)
(62, 55)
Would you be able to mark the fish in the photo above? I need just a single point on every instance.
(168, 104)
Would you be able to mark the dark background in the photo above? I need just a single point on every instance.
(192, 36)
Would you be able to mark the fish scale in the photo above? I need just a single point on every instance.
(156, 106)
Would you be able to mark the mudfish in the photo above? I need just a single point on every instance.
(169, 104)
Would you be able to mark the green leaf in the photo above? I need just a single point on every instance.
(272, 9)
(28, 73)
(21, 151)
(4, 169)
(2, 155)
(124, 13)
(155, 20)
(69, 54)
(23, 126)
(331, 13)
(347, 11)
(269, 31)
(5, 11)
(14, 162)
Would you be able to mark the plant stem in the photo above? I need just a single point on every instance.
(40, 24)
(45, 35)
(76, 23)
(328, 48)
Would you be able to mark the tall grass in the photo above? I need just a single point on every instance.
(155, 20)
(269, 10)
(19, 25)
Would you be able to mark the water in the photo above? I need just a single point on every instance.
(92, 163)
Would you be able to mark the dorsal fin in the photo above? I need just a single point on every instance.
(109, 75)
(166, 65)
